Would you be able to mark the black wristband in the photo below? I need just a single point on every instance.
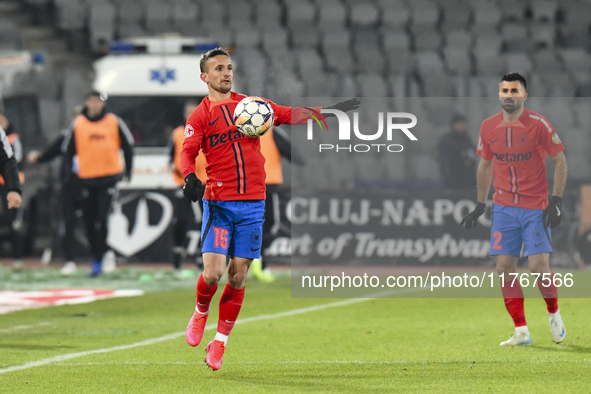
(556, 200)
(190, 176)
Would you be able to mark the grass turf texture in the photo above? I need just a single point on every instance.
(379, 345)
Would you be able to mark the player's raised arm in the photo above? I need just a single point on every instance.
(300, 115)
(344, 106)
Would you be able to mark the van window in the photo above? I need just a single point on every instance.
(150, 119)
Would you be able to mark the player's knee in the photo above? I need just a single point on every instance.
(212, 276)
(538, 265)
(236, 279)
(503, 269)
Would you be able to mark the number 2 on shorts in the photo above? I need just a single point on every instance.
(498, 236)
(221, 237)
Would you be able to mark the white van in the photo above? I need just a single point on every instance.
(147, 81)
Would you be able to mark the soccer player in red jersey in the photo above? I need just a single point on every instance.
(513, 144)
(234, 199)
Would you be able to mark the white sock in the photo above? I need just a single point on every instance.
(554, 314)
(221, 337)
(203, 313)
(522, 329)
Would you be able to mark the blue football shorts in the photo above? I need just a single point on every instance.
(233, 228)
(512, 226)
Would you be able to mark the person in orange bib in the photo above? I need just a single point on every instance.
(96, 137)
(184, 214)
(14, 217)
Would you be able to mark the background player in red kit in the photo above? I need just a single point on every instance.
(517, 141)
(234, 199)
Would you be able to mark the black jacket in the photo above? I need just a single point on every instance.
(8, 165)
(457, 159)
(55, 150)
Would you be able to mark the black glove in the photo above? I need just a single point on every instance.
(347, 105)
(192, 186)
(553, 212)
(471, 219)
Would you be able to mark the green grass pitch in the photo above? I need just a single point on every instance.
(327, 345)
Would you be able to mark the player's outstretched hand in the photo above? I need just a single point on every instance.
(192, 186)
(470, 220)
(14, 200)
(33, 156)
(347, 105)
(553, 212)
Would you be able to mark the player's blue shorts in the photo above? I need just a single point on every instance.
(512, 225)
(233, 228)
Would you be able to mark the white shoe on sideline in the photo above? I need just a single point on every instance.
(69, 268)
(519, 338)
(46, 256)
(109, 262)
(556, 327)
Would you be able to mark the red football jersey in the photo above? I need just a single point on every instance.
(519, 151)
(235, 165)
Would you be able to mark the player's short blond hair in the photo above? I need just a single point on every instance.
(212, 53)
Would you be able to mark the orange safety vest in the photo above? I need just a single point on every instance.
(272, 159)
(178, 137)
(97, 147)
(21, 175)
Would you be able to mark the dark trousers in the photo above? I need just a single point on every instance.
(272, 223)
(96, 201)
(184, 218)
(71, 202)
(13, 218)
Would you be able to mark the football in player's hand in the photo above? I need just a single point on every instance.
(254, 116)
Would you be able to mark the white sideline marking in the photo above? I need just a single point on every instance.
(25, 327)
(317, 362)
(152, 341)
